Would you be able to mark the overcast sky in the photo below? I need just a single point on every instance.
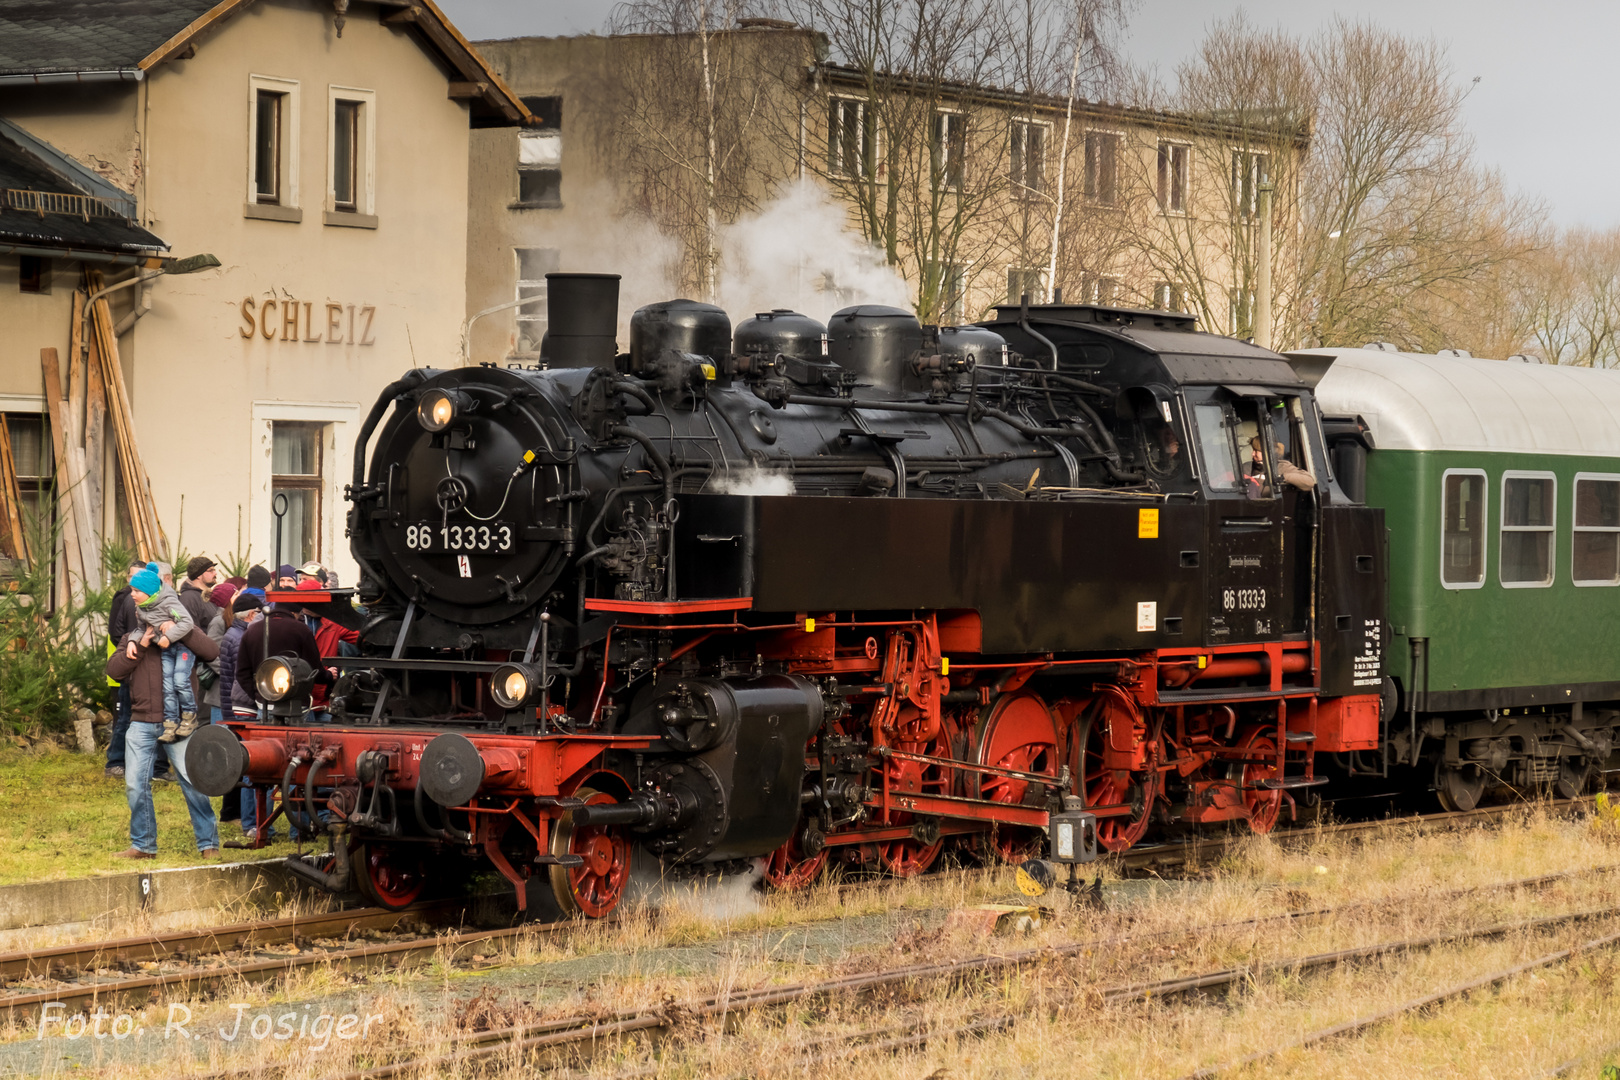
(1544, 111)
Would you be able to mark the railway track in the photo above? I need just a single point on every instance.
(582, 1035)
(132, 970)
(1203, 848)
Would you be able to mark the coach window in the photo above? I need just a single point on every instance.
(1596, 542)
(1462, 529)
(1529, 506)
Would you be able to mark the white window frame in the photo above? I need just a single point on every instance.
(342, 420)
(290, 141)
(864, 112)
(1093, 197)
(366, 182)
(1250, 211)
(536, 312)
(940, 124)
(965, 269)
(1551, 529)
(1170, 289)
(1574, 528)
(1018, 185)
(1484, 531)
(1037, 295)
(1186, 178)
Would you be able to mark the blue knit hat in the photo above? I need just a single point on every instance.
(146, 581)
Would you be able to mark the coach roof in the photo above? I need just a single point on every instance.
(1416, 401)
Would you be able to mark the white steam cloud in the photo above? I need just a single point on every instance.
(799, 252)
(752, 481)
(720, 897)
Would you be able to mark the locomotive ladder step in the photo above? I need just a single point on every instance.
(1300, 736)
(559, 860)
(1291, 782)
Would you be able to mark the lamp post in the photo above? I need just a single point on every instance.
(1262, 285)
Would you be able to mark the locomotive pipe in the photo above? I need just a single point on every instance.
(309, 786)
(391, 393)
(286, 791)
(1292, 663)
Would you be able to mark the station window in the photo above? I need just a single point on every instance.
(295, 464)
(1462, 530)
(1529, 503)
(1596, 543)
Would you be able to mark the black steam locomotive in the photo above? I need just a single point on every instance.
(851, 592)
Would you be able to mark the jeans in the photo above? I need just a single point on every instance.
(115, 744)
(177, 696)
(140, 750)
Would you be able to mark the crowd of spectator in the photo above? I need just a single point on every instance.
(185, 657)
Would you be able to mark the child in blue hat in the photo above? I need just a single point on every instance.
(159, 607)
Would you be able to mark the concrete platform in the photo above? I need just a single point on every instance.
(154, 899)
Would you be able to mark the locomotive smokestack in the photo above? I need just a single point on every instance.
(582, 316)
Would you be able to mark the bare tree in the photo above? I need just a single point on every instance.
(1569, 296)
(1249, 95)
(691, 99)
(1401, 229)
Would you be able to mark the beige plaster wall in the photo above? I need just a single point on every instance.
(204, 390)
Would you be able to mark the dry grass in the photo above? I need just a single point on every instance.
(1386, 889)
(78, 829)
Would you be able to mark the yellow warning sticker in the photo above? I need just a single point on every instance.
(1147, 524)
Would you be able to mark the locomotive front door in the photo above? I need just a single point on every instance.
(1246, 535)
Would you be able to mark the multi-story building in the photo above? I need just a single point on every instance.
(961, 188)
(317, 150)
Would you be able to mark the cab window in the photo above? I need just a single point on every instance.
(1217, 446)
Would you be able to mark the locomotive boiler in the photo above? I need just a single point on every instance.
(859, 592)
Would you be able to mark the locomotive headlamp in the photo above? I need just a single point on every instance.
(283, 677)
(438, 409)
(514, 684)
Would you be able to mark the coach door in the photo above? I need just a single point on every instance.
(1246, 535)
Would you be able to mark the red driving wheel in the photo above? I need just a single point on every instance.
(1264, 806)
(908, 857)
(1020, 734)
(788, 867)
(390, 877)
(594, 888)
(1102, 785)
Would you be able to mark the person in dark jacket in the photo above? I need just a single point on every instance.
(121, 619)
(281, 633)
(248, 609)
(258, 580)
(201, 576)
(137, 662)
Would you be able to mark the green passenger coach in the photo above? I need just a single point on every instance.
(1500, 484)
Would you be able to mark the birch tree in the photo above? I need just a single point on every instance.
(691, 101)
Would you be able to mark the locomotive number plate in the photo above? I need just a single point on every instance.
(430, 536)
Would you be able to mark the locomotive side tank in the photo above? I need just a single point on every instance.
(806, 593)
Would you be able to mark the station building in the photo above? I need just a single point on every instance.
(318, 150)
